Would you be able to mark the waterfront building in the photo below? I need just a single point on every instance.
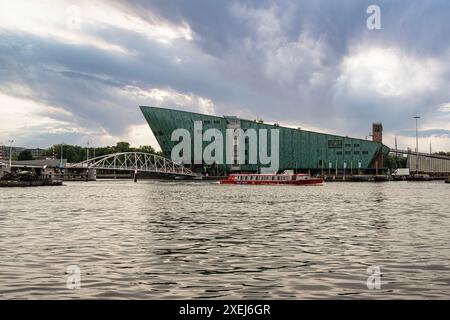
(299, 150)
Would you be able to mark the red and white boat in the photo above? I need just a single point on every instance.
(295, 179)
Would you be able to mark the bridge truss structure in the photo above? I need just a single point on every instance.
(136, 162)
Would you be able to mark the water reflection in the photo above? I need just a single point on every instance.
(160, 239)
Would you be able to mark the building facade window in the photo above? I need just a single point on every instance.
(334, 144)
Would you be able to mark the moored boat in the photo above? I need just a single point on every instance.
(289, 179)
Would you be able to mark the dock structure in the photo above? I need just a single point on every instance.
(30, 173)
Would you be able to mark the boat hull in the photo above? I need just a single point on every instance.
(294, 182)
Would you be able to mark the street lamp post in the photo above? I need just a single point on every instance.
(417, 143)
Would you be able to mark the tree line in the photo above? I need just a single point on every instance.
(74, 153)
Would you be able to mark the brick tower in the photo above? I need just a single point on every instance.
(377, 135)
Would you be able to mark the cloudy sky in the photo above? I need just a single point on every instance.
(77, 71)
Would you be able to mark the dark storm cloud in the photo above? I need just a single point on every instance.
(276, 60)
(339, 25)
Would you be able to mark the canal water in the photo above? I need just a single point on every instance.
(174, 240)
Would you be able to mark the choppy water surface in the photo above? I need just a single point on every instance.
(162, 239)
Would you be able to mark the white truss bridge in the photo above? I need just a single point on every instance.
(136, 162)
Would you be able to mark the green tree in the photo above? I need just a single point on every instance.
(25, 155)
(442, 153)
(394, 162)
(122, 146)
(77, 154)
(146, 149)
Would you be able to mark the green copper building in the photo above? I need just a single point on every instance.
(299, 150)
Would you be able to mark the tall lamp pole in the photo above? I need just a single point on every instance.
(417, 143)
